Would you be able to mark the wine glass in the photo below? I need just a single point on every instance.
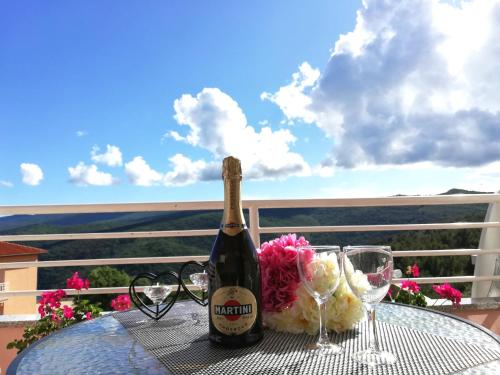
(368, 271)
(200, 279)
(320, 269)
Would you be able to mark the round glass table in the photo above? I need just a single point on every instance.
(425, 342)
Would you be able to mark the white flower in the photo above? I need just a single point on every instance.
(357, 279)
(344, 309)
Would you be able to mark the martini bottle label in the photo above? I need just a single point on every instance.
(233, 310)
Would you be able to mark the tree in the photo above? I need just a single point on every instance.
(102, 277)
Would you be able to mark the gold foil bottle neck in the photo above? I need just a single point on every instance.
(231, 168)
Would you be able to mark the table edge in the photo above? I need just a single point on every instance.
(490, 333)
(12, 369)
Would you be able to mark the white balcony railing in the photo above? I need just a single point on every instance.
(487, 254)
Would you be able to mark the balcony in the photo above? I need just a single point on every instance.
(485, 279)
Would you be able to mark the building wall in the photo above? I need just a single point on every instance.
(20, 279)
(489, 318)
(7, 334)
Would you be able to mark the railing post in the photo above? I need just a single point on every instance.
(254, 224)
(488, 265)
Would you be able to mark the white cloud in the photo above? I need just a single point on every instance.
(6, 184)
(32, 174)
(81, 133)
(175, 135)
(185, 171)
(414, 82)
(217, 124)
(84, 175)
(140, 173)
(112, 157)
(292, 99)
(325, 169)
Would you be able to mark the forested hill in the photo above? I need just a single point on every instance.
(117, 222)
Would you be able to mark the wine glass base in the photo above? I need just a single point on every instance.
(373, 358)
(145, 323)
(324, 349)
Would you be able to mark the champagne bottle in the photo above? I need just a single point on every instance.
(235, 317)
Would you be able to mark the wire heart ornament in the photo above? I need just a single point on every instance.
(198, 279)
(160, 295)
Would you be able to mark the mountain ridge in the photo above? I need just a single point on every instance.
(16, 222)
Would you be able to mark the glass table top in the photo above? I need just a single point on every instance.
(104, 346)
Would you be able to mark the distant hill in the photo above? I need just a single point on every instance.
(117, 222)
(462, 191)
(114, 221)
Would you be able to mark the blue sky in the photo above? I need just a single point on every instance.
(139, 101)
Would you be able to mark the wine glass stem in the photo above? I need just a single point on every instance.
(323, 332)
(372, 328)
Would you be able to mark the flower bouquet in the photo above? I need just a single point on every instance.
(287, 306)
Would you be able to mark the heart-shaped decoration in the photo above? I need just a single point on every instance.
(164, 297)
(199, 279)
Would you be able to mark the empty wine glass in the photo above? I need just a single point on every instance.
(368, 271)
(157, 293)
(200, 279)
(320, 269)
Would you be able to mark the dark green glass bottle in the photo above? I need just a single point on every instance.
(234, 286)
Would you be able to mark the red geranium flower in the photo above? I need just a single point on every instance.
(415, 270)
(67, 312)
(75, 282)
(121, 303)
(448, 292)
(412, 286)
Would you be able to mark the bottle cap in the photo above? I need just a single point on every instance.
(231, 168)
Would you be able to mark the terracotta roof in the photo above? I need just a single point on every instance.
(11, 249)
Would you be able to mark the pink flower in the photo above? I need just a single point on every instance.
(448, 292)
(88, 315)
(415, 270)
(55, 317)
(67, 312)
(412, 286)
(280, 276)
(121, 303)
(41, 311)
(59, 294)
(52, 299)
(75, 282)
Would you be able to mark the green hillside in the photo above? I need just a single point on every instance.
(80, 223)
